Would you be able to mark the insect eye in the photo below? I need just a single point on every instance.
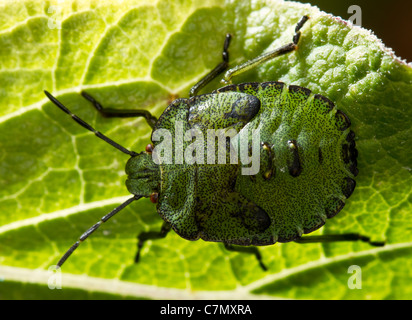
(149, 148)
(154, 197)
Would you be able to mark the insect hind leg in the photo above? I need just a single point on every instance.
(266, 56)
(216, 71)
(338, 238)
(250, 250)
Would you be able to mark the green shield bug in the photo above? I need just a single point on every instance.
(305, 151)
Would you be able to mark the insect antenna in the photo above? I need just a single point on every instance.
(89, 127)
(93, 228)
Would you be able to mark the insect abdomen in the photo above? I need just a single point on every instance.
(313, 159)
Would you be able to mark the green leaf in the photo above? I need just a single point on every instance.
(56, 179)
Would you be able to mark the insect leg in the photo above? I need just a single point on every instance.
(267, 56)
(119, 113)
(87, 126)
(339, 237)
(250, 250)
(151, 235)
(216, 71)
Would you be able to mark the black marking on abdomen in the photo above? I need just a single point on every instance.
(294, 165)
(345, 153)
(353, 168)
(351, 136)
(353, 151)
(248, 86)
(350, 153)
(324, 104)
(334, 208)
(277, 84)
(349, 187)
(353, 154)
(342, 120)
(254, 86)
(300, 90)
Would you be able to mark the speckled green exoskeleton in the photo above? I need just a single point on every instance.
(307, 163)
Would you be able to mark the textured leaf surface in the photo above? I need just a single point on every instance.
(56, 180)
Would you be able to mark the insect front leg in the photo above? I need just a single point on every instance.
(151, 235)
(119, 113)
(267, 56)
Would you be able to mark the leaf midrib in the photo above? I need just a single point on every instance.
(126, 288)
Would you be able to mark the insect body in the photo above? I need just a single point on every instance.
(307, 167)
(307, 163)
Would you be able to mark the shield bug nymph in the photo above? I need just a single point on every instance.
(307, 163)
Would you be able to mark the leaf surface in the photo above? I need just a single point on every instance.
(56, 180)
